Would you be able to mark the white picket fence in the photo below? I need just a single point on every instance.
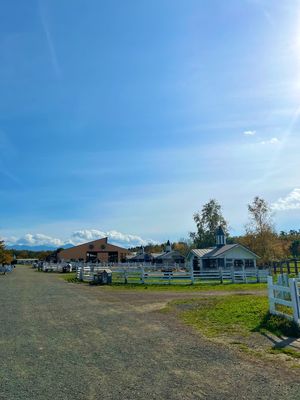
(284, 292)
(150, 274)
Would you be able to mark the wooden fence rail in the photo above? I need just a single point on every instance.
(290, 266)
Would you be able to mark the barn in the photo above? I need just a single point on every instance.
(96, 251)
(221, 256)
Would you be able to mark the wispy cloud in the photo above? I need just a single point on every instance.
(249, 133)
(273, 140)
(49, 39)
(289, 202)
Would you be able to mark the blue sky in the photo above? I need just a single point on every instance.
(125, 117)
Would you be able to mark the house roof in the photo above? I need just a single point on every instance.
(218, 251)
(95, 245)
(155, 255)
(169, 254)
(202, 252)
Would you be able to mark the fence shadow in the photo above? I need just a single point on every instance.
(279, 331)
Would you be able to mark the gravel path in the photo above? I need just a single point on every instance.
(63, 341)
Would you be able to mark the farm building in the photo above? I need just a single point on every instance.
(221, 256)
(97, 250)
(167, 257)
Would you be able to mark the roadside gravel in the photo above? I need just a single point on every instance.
(65, 341)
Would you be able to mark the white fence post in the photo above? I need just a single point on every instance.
(192, 274)
(232, 275)
(244, 274)
(295, 299)
(142, 274)
(271, 295)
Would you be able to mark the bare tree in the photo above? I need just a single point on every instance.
(260, 214)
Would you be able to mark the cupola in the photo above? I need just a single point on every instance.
(220, 237)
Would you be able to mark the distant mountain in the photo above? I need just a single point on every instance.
(37, 248)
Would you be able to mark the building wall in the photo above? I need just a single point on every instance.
(100, 246)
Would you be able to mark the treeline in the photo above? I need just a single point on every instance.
(41, 255)
(7, 255)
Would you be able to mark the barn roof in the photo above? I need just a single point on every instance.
(213, 252)
(202, 252)
(169, 254)
(220, 250)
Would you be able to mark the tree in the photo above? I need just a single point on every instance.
(295, 248)
(260, 216)
(207, 222)
(5, 257)
(260, 236)
(183, 246)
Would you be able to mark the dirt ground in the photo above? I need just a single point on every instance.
(65, 341)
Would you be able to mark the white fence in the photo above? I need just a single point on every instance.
(6, 269)
(284, 297)
(57, 267)
(150, 274)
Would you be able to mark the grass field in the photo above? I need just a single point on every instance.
(233, 315)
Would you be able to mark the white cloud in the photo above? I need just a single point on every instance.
(116, 237)
(273, 140)
(249, 133)
(78, 237)
(37, 239)
(290, 202)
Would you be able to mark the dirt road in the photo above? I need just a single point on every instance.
(63, 341)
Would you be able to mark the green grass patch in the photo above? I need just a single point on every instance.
(287, 351)
(279, 326)
(233, 315)
(70, 277)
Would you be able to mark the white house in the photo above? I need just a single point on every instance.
(221, 256)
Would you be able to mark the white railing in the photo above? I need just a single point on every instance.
(150, 273)
(285, 294)
(59, 267)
